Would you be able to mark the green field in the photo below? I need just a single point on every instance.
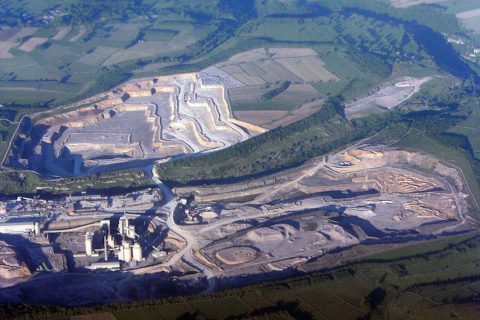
(470, 129)
(461, 6)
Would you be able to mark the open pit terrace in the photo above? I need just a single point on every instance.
(147, 119)
(373, 194)
(365, 195)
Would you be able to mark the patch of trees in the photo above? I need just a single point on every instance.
(241, 10)
(274, 150)
(93, 11)
(269, 95)
(16, 17)
(432, 41)
(27, 183)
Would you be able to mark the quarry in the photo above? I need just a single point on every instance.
(209, 236)
(366, 194)
(196, 238)
(385, 96)
(160, 118)
(136, 123)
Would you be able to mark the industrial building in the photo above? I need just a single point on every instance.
(20, 227)
(121, 242)
(112, 265)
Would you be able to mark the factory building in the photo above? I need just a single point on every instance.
(20, 227)
(128, 252)
(125, 228)
(112, 265)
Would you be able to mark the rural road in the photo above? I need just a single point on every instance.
(188, 237)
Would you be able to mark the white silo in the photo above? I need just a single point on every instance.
(137, 252)
(37, 228)
(88, 243)
(127, 251)
(131, 231)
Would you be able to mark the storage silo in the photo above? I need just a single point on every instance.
(88, 243)
(137, 252)
(127, 251)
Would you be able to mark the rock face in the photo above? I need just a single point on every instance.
(143, 120)
(11, 268)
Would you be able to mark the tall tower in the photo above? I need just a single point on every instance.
(137, 252)
(88, 243)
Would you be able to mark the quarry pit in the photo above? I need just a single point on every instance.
(134, 124)
(368, 194)
(200, 235)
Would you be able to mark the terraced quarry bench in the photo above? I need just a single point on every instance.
(141, 120)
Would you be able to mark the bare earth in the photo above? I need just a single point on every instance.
(469, 14)
(13, 41)
(386, 96)
(410, 3)
(32, 43)
(61, 33)
(80, 33)
(260, 118)
(290, 218)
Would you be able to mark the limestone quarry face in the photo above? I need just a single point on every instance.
(368, 194)
(141, 120)
(386, 96)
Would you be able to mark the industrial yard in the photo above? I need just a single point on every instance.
(239, 159)
(368, 194)
(208, 236)
(73, 233)
(204, 237)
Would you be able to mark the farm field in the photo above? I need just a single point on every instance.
(466, 11)
(469, 128)
(261, 118)
(410, 3)
(261, 72)
(74, 57)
